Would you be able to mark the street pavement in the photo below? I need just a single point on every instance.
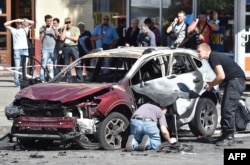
(202, 153)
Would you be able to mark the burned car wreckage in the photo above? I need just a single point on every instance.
(96, 113)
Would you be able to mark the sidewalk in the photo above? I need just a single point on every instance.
(7, 92)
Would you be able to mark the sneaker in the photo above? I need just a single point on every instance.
(143, 144)
(225, 140)
(130, 143)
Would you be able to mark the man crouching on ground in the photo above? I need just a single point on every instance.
(145, 134)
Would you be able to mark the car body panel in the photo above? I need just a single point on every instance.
(62, 92)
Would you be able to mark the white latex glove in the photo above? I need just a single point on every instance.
(173, 140)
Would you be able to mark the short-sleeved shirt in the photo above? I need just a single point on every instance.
(49, 40)
(19, 36)
(180, 29)
(232, 70)
(151, 111)
(109, 37)
(73, 31)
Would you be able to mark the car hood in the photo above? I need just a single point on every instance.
(60, 92)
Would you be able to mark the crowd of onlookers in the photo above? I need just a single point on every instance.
(62, 44)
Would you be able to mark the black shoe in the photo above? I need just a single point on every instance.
(225, 140)
(143, 144)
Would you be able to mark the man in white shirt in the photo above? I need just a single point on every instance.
(20, 43)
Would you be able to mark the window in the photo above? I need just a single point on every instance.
(181, 64)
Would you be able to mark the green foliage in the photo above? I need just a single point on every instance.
(206, 5)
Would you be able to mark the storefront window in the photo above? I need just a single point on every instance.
(2, 21)
(2, 42)
(2, 6)
(115, 9)
(248, 6)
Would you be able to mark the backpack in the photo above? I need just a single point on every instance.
(242, 116)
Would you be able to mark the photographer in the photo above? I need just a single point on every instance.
(48, 37)
(177, 30)
(203, 27)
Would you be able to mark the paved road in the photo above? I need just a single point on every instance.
(202, 153)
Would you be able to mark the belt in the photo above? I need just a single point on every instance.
(142, 118)
(69, 46)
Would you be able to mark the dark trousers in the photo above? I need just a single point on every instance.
(58, 62)
(72, 51)
(233, 90)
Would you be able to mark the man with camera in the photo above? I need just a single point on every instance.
(203, 27)
(177, 29)
(48, 37)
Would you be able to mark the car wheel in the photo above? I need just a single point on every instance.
(205, 120)
(113, 131)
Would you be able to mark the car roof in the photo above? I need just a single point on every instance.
(136, 52)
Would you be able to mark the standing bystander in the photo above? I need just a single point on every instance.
(203, 27)
(70, 35)
(104, 35)
(132, 33)
(232, 78)
(58, 56)
(48, 40)
(154, 29)
(177, 29)
(84, 43)
(20, 43)
(146, 37)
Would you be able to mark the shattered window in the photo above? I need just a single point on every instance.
(182, 64)
(150, 70)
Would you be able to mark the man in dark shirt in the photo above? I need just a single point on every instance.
(132, 33)
(232, 77)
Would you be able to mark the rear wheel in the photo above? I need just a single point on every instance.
(205, 120)
(113, 131)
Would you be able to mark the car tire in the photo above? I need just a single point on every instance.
(113, 131)
(205, 120)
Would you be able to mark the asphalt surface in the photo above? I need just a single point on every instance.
(201, 152)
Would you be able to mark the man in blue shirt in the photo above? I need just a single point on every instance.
(104, 35)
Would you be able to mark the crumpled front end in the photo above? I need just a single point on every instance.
(74, 120)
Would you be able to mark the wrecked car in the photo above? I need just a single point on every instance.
(96, 112)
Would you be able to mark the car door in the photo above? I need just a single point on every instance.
(181, 83)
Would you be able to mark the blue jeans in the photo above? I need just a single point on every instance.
(47, 63)
(138, 128)
(72, 51)
(18, 53)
